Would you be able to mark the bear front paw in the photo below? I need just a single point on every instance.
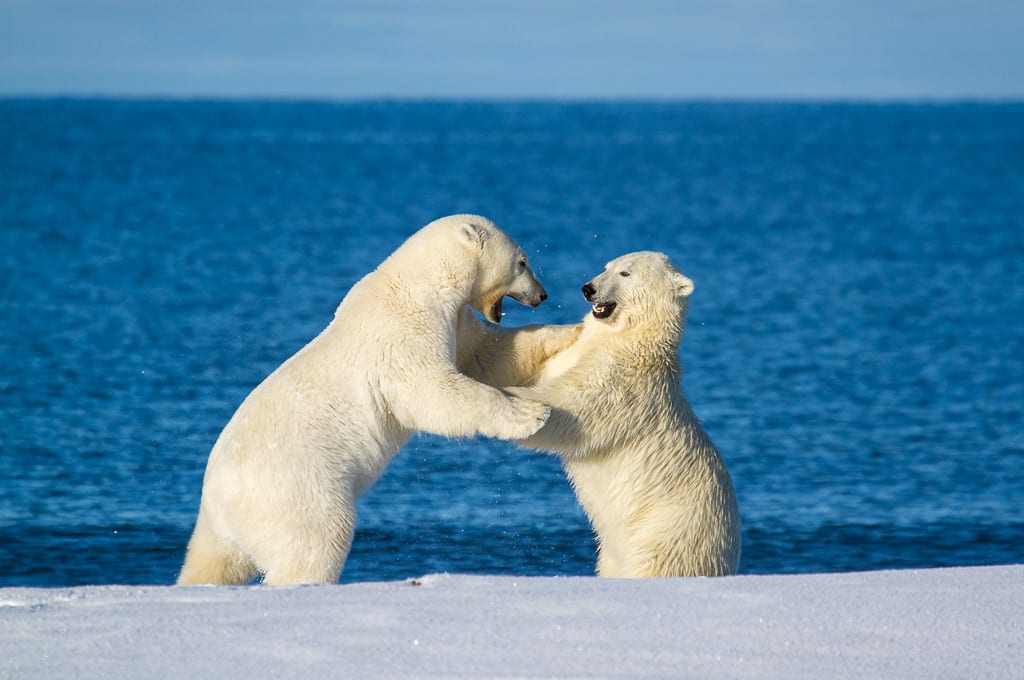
(528, 416)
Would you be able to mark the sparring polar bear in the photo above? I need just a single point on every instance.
(282, 479)
(647, 475)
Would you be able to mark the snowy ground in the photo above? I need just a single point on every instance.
(965, 623)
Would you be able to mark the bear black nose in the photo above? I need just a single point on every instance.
(589, 291)
(543, 296)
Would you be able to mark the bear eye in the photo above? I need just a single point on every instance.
(623, 274)
(522, 264)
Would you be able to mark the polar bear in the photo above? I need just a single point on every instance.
(282, 479)
(654, 487)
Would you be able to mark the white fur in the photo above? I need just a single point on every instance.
(653, 485)
(283, 477)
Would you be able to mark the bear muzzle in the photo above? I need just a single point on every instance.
(532, 299)
(602, 310)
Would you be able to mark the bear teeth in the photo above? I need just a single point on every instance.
(602, 310)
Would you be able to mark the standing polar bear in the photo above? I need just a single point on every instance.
(651, 482)
(282, 479)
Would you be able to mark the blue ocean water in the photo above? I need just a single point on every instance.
(855, 345)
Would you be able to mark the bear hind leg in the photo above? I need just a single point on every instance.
(209, 560)
(302, 572)
(314, 554)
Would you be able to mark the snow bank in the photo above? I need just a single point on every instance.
(942, 622)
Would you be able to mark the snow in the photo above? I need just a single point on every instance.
(966, 622)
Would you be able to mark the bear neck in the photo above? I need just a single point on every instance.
(647, 348)
(659, 353)
(661, 327)
(456, 274)
(654, 341)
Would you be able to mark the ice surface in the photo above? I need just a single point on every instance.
(932, 623)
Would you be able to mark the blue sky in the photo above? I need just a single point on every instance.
(850, 49)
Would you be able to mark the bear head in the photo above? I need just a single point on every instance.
(641, 288)
(503, 268)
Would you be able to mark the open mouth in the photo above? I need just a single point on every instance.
(493, 313)
(602, 310)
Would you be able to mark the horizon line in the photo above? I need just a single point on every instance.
(514, 98)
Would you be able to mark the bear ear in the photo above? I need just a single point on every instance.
(473, 234)
(684, 286)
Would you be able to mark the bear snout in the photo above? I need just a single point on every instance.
(589, 291)
(533, 300)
